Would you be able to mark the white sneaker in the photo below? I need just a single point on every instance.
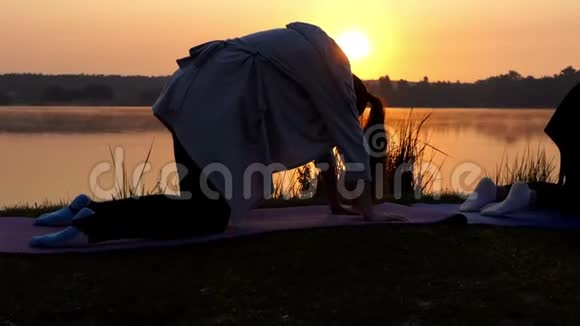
(485, 192)
(63, 216)
(518, 199)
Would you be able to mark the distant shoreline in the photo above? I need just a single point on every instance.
(506, 91)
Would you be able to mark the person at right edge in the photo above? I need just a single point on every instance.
(501, 200)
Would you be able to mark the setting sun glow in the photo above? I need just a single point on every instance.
(355, 45)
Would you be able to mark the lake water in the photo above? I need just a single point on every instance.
(53, 153)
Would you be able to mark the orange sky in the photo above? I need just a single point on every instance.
(443, 39)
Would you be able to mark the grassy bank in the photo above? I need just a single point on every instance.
(29, 210)
(392, 275)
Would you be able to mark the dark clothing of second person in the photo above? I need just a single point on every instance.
(160, 217)
(563, 130)
(549, 197)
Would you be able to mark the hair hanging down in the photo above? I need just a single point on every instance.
(374, 128)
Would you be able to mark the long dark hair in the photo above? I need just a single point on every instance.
(374, 128)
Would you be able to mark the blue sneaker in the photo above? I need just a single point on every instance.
(63, 216)
(70, 236)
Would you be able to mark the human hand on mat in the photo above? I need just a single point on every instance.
(365, 204)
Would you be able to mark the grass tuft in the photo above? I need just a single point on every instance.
(125, 187)
(530, 166)
(410, 168)
(409, 172)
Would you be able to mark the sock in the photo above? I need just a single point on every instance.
(485, 192)
(63, 216)
(71, 236)
(518, 199)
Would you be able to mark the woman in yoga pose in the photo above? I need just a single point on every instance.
(239, 110)
(561, 196)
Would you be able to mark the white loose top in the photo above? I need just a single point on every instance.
(246, 107)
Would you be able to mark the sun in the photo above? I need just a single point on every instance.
(354, 44)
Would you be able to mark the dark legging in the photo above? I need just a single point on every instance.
(160, 216)
(549, 196)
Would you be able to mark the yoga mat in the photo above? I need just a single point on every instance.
(529, 218)
(15, 232)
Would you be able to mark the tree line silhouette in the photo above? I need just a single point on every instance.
(510, 90)
(38, 89)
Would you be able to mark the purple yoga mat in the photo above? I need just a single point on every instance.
(15, 232)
